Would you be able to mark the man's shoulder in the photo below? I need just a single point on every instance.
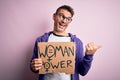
(75, 37)
(43, 36)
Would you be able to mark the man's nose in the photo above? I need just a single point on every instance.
(64, 20)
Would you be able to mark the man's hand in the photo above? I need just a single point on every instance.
(91, 48)
(36, 64)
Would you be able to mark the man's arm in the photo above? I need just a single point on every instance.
(35, 63)
(85, 62)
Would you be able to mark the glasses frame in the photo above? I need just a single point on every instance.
(62, 16)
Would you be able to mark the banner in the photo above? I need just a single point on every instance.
(57, 57)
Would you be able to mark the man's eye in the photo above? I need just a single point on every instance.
(63, 16)
(68, 19)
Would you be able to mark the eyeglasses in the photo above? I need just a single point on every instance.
(62, 16)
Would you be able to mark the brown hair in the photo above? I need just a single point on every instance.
(66, 7)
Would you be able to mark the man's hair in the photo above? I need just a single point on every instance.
(66, 7)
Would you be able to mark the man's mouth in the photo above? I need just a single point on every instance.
(62, 24)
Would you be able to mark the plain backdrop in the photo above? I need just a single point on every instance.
(22, 21)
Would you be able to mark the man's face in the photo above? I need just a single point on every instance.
(62, 20)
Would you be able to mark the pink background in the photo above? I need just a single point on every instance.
(21, 21)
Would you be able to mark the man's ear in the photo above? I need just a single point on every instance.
(54, 15)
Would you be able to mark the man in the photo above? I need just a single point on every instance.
(62, 18)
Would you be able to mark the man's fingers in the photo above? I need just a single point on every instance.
(36, 64)
(36, 67)
(36, 61)
(92, 47)
(99, 46)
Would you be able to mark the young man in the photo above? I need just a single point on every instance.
(62, 18)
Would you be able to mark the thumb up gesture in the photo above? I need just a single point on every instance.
(91, 48)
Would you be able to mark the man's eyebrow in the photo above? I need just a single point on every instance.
(65, 15)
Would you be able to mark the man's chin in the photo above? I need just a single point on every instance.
(60, 30)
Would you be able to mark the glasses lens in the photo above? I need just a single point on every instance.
(62, 16)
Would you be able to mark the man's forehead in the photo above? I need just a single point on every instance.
(65, 12)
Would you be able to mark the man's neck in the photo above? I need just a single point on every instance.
(61, 33)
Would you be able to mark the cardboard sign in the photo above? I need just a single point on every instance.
(57, 57)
